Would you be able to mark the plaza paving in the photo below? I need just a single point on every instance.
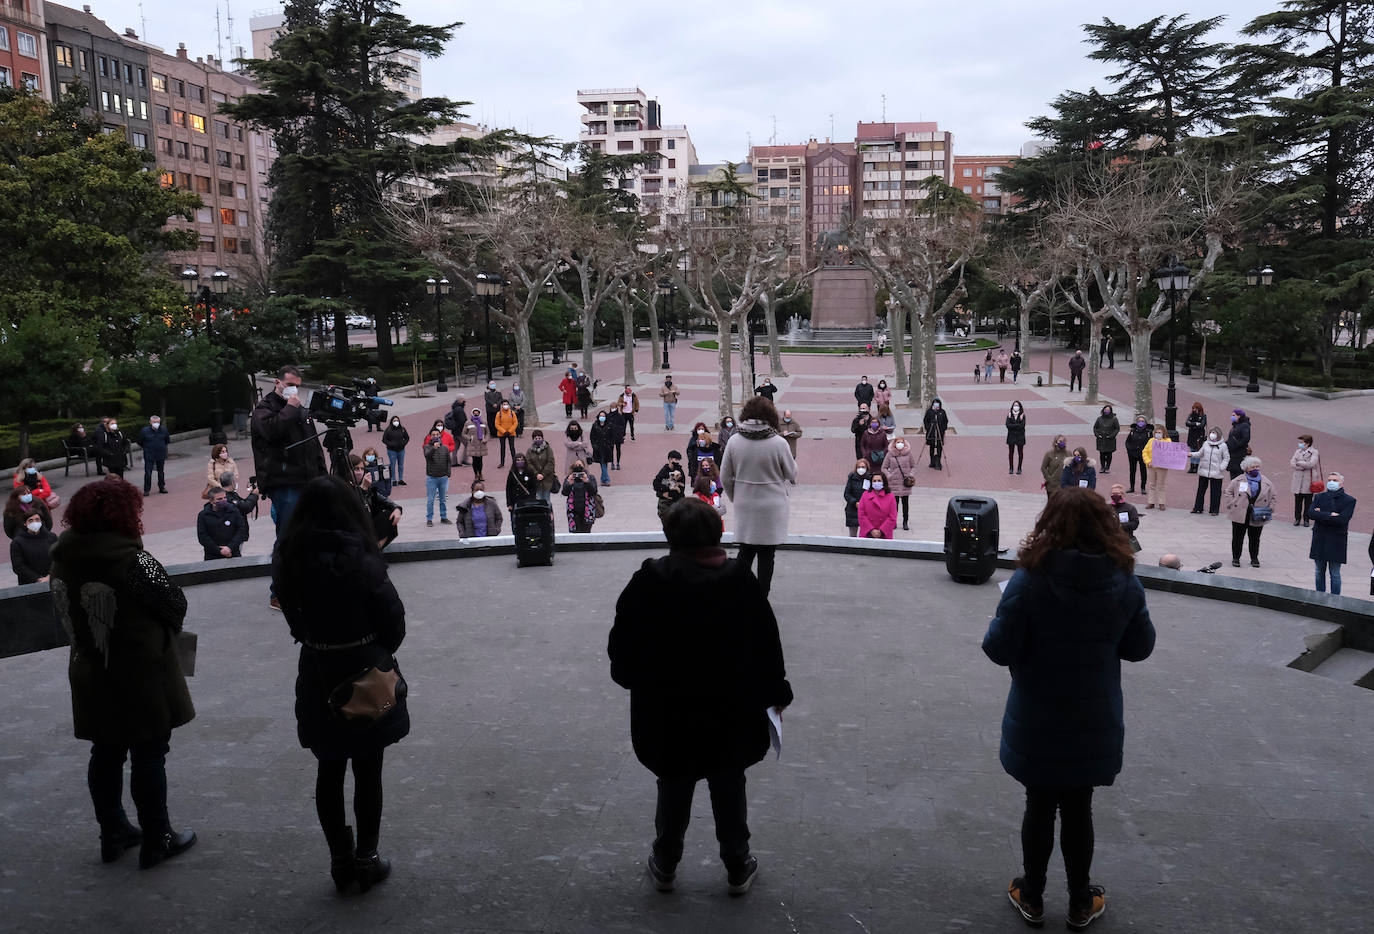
(516, 805)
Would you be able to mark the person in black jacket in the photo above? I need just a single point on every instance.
(936, 423)
(221, 528)
(700, 685)
(385, 515)
(854, 486)
(1197, 431)
(670, 484)
(521, 486)
(1238, 441)
(1137, 435)
(285, 452)
(154, 438)
(863, 393)
(246, 505)
(602, 438)
(30, 551)
(344, 611)
(859, 425)
(1016, 436)
(616, 422)
(700, 447)
(394, 439)
(114, 449)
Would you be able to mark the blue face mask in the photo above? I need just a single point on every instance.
(372, 458)
(1252, 474)
(30, 470)
(1333, 485)
(25, 497)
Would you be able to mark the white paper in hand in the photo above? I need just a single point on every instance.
(1002, 585)
(775, 731)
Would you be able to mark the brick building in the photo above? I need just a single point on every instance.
(23, 46)
(976, 176)
(832, 196)
(895, 158)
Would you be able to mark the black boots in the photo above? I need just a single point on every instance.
(341, 860)
(158, 847)
(117, 838)
(370, 869)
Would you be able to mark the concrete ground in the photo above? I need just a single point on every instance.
(516, 804)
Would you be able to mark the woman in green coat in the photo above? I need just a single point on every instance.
(122, 614)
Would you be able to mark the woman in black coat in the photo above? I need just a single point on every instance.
(602, 438)
(936, 423)
(1071, 612)
(1016, 436)
(854, 487)
(700, 684)
(1197, 431)
(1140, 432)
(341, 607)
(1238, 442)
(617, 423)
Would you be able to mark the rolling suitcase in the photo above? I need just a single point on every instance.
(532, 524)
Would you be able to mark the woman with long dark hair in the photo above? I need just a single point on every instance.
(1071, 612)
(342, 608)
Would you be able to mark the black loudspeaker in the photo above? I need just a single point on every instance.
(532, 525)
(971, 529)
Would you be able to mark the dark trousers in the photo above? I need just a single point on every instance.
(476, 465)
(148, 467)
(906, 508)
(519, 423)
(1020, 451)
(1301, 503)
(1075, 807)
(367, 799)
(1204, 484)
(630, 423)
(935, 451)
(766, 554)
(147, 785)
(1106, 458)
(1132, 462)
(502, 441)
(674, 813)
(567, 409)
(1239, 532)
(618, 446)
(1075, 378)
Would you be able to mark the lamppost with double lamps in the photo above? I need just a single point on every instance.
(1257, 277)
(437, 288)
(205, 294)
(667, 290)
(489, 284)
(1172, 279)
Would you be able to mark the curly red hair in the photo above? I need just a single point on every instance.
(1080, 519)
(109, 505)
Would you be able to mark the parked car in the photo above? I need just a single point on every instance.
(358, 321)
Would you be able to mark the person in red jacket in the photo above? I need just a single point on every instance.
(877, 510)
(27, 477)
(569, 390)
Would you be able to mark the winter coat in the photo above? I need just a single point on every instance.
(1003, 360)
(437, 463)
(216, 467)
(668, 491)
(877, 511)
(31, 555)
(935, 422)
(767, 390)
(540, 460)
(506, 423)
(791, 433)
(1212, 459)
(1330, 514)
(872, 444)
(280, 461)
(492, 399)
(882, 396)
(727, 431)
(1105, 430)
(669, 394)
(603, 442)
(1069, 477)
(863, 394)
(1052, 467)
(695, 453)
(340, 595)
(1197, 429)
(1305, 463)
(113, 448)
(216, 528)
(1236, 499)
(1148, 454)
(475, 447)
(1016, 430)
(455, 419)
(1063, 629)
(154, 442)
(581, 499)
(1238, 440)
(1136, 437)
(122, 615)
(516, 399)
(520, 486)
(634, 403)
(897, 466)
(756, 472)
(575, 449)
(1016, 362)
(16, 517)
(857, 428)
(568, 387)
(446, 437)
(395, 438)
(1132, 520)
(37, 484)
(615, 423)
(854, 487)
(700, 683)
(466, 528)
(1076, 364)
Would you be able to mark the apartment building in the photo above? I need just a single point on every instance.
(23, 46)
(780, 180)
(266, 28)
(976, 176)
(708, 209)
(831, 197)
(112, 67)
(497, 172)
(895, 158)
(624, 120)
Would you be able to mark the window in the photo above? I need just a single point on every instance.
(777, 174)
(114, 68)
(142, 77)
(672, 163)
(794, 211)
(228, 217)
(794, 173)
(231, 245)
(196, 93)
(240, 161)
(218, 97)
(164, 145)
(223, 159)
(200, 153)
(968, 173)
(128, 106)
(763, 175)
(221, 129)
(226, 188)
(63, 54)
(203, 184)
(143, 109)
(83, 59)
(140, 140)
(672, 144)
(238, 133)
(777, 192)
(118, 105)
(207, 244)
(178, 87)
(672, 182)
(4, 39)
(128, 73)
(794, 194)
(104, 100)
(246, 246)
(625, 145)
(197, 122)
(240, 190)
(968, 189)
(183, 149)
(167, 179)
(164, 115)
(184, 180)
(159, 83)
(179, 117)
(204, 216)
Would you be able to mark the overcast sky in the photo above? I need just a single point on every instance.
(979, 68)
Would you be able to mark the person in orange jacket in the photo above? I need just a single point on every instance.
(507, 422)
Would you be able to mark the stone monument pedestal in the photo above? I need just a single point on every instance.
(842, 299)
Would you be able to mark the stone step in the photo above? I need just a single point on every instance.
(1351, 666)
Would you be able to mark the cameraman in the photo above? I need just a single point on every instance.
(284, 465)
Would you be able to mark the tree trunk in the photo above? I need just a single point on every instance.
(524, 360)
(627, 318)
(915, 394)
(1095, 323)
(655, 353)
(723, 353)
(929, 377)
(23, 436)
(747, 378)
(1144, 385)
(1024, 328)
(1274, 386)
(774, 342)
(588, 338)
(340, 336)
(896, 323)
(381, 317)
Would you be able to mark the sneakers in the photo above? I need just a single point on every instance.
(1033, 912)
(741, 877)
(429, 523)
(1080, 916)
(1235, 562)
(1254, 562)
(446, 522)
(663, 881)
(275, 604)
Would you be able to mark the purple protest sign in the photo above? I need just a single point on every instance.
(1170, 455)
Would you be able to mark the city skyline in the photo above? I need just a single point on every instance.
(814, 71)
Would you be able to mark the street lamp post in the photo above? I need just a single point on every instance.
(1257, 277)
(1173, 279)
(489, 284)
(437, 289)
(667, 290)
(205, 294)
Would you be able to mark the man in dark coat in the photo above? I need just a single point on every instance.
(1076, 365)
(1330, 513)
(492, 399)
(1238, 441)
(701, 685)
(863, 393)
(285, 465)
(154, 439)
(221, 528)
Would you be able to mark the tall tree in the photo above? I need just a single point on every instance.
(346, 143)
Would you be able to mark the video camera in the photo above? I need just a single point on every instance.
(344, 407)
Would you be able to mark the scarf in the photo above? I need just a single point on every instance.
(477, 426)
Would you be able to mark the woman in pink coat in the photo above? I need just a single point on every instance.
(877, 510)
(899, 472)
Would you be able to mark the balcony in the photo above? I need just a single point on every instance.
(20, 15)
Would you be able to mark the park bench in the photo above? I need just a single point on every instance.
(1219, 369)
(82, 454)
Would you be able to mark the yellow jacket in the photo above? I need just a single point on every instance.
(506, 423)
(1147, 454)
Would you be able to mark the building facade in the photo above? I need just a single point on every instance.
(266, 28)
(619, 121)
(780, 184)
(976, 176)
(895, 158)
(831, 196)
(23, 46)
(112, 67)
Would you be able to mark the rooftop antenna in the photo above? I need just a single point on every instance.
(229, 15)
(142, 21)
(219, 41)
(884, 120)
(832, 126)
(773, 140)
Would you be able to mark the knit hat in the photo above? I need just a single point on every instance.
(1238, 411)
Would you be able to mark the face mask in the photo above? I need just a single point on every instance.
(479, 494)
(1333, 485)
(1140, 423)
(601, 419)
(883, 384)
(1233, 419)
(1107, 412)
(1301, 445)
(729, 424)
(1016, 409)
(396, 424)
(291, 392)
(539, 442)
(1214, 436)
(114, 426)
(476, 415)
(515, 387)
(861, 470)
(864, 381)
(877, 484)
(1159, 435)
(574, 432)
(155, 424)
(1060, 445)
(35, 526)
(667, 382)
(25, 497)
(1077, 459)
(787, 418)
(935, 405)
(1117, 498)
(221, 504)
(505, 406)
(899, 445)
(30, 470)
(519, 465)
(437, 429)
(1252, 474)
(372, 458)
(766, 383)
(491, 385)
